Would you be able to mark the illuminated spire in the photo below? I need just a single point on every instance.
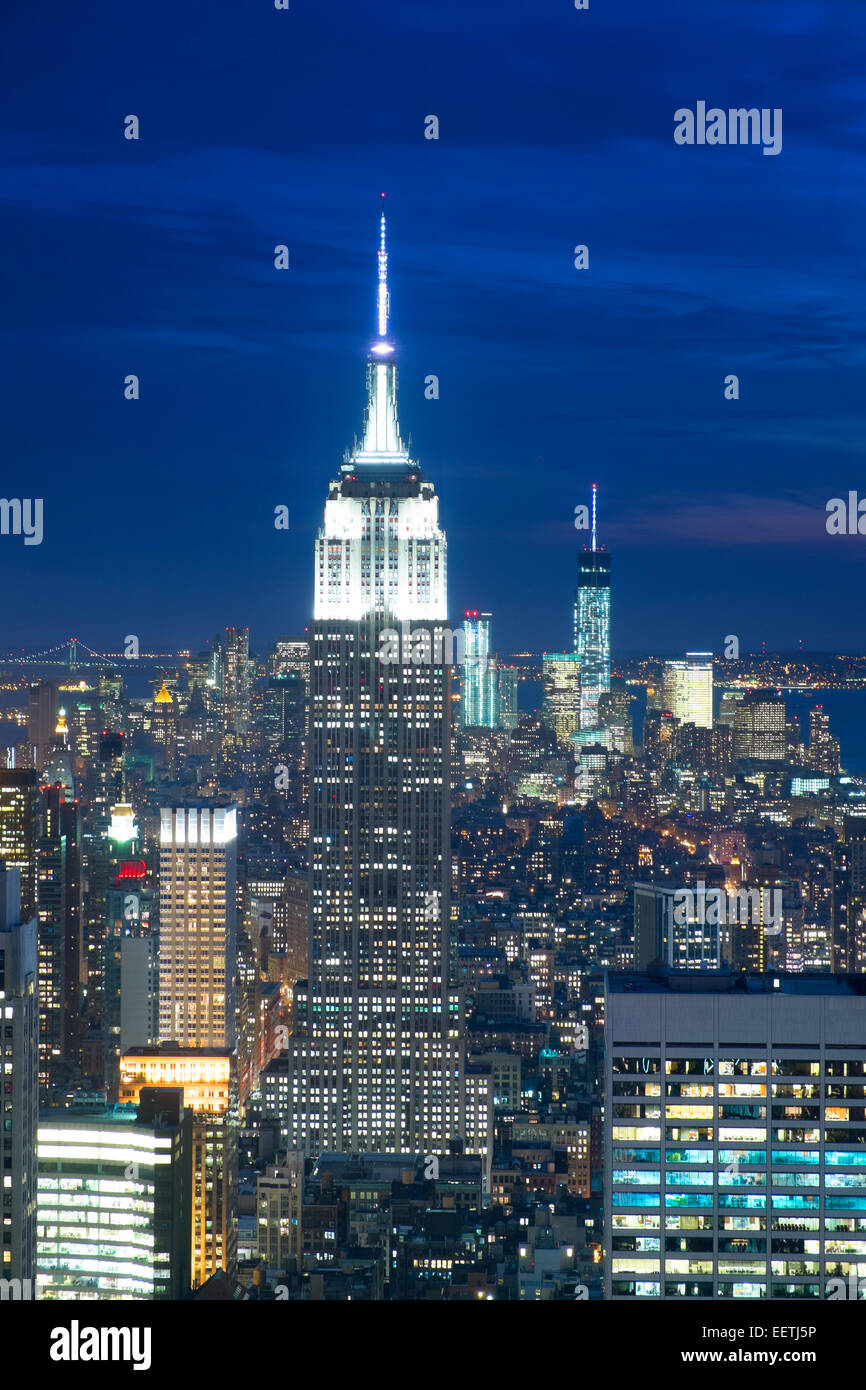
(594, 491)
(383, 302)
(381, 445)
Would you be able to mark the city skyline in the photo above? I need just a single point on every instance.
(435, 868)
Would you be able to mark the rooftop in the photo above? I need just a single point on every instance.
(663, 980)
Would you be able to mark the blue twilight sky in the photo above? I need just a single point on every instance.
(261, 127)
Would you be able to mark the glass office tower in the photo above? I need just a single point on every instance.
(592, 625)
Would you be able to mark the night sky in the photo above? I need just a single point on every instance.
(261, 127)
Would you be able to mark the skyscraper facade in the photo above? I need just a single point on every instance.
(560, 674)
(236, 680)
(208, 1080)
(114, 1201)
(198, 929)
(823, 747)
(61, 956)
(592, 625)
(734, 1166)
(19, 1058)
(759, 727)
(507, 713)
(615, 716)
(478, 705)
(19, 830)
(688, 689)
(848, 906)
(378, 1062)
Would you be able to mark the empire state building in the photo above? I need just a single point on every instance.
(377, 1062)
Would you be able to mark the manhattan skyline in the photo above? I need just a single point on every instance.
(432, 725)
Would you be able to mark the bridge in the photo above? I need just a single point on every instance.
(73, 654)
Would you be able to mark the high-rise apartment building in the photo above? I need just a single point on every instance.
(198, 923)
(19, 1065)
(734, 1163)
(824, 751)
(378, 1063)
(688, 689)
(279, 1199)
(592, 624)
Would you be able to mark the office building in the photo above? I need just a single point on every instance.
(688, 689)
(759, 727)
(507, 714)
(378, 1062)
(560, 707)
(207, 1077)
(734, 1163)
(236, 681)
(590, 771)
(478, 700)
(684, 939)
(43, 704)
(163, 725)
(592, 624)
(704, 926)
(60, 937)
(848, 902)
(20, 829)
(114, 1201)
(131, 985)
(198, 923)
(659, 729)
(614, 717)
(291, 656)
